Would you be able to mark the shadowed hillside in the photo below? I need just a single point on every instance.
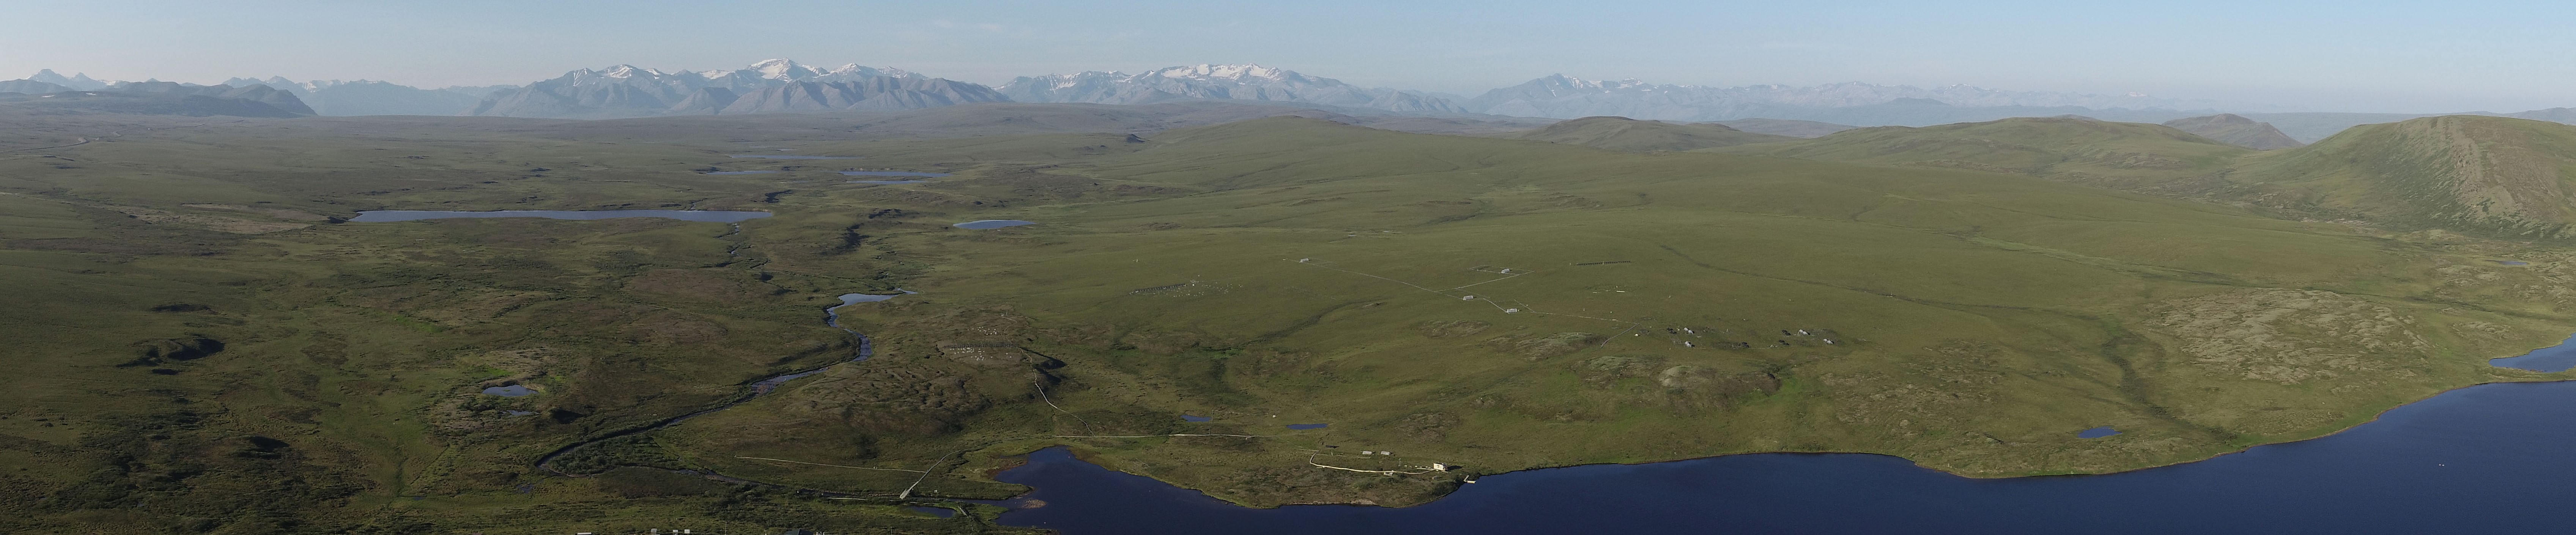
(2489, 175)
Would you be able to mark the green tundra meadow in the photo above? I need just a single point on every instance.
(203, 342)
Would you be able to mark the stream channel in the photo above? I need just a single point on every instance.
(831, 316)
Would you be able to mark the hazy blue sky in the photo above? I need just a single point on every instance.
(2342, 55)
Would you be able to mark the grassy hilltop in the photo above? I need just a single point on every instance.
(1621, 133)
(206, 345)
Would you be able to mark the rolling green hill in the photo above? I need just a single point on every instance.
(2127, 156)
(1786, 127)
(1625, 134)
(2488, 175)
(2235, 130)
(205, 343)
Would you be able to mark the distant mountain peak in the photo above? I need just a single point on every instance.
(628, 71)
(1236, 71)
(1235, 81)
(772, 85)
(80, 81)
(783, 69)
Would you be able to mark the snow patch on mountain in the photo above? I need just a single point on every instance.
(1212, 81)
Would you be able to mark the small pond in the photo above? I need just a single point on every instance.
(741, 172)
(941, 512)
(716, 216)
(2097, 432)
(993, 223)
(791, 157)
(511, 391)
(2511, 262)
(887, 182)
(1307, 426)
(893, 173)
(1197, 418)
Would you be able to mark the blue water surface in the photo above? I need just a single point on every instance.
(791, 157)
(2557, 358)
(2476, 460)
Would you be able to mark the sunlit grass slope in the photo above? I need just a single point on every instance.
(1321, 273)
(2490, 175)
(205, 345)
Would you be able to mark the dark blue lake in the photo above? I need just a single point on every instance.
(2484, 459)
(719, 216)
(887, 182)
(2548, 359)
(791, 157)
(741, 172)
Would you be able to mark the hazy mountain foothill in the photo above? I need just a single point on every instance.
(2236, 130)
(1261, 286)
(1786, 127)
(1625, 134)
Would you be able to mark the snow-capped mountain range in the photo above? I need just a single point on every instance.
(1224, 82)
(781, 85)
(770, 86)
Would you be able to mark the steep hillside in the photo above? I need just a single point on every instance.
(2129, 156)
(1621, 133)
(2236, 130)
(2490, 175)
